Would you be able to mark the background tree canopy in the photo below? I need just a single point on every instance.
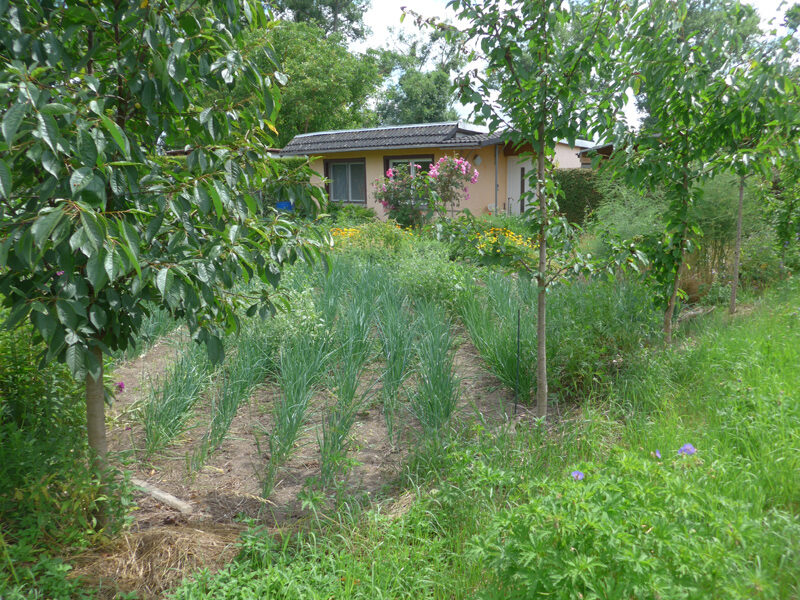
(344, 17)
(326, 85)
(421, 85)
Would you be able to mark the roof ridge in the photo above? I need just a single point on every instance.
(456, 124)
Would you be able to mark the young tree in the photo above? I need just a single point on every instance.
(757, 126)
(675, 145)
(100, 216)
(541, 101)
(703, 20)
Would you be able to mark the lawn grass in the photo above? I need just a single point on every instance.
(500, 515)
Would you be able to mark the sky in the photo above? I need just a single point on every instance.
(384, 15)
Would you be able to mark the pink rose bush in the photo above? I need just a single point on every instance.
(412, 199)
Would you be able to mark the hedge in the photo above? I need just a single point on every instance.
(581, 196)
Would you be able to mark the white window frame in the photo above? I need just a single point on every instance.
(411, 161)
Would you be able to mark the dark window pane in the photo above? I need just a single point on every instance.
(358, 182)
(339, 182)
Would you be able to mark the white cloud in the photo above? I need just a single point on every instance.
(383, 16)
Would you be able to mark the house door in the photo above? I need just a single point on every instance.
(522, 190)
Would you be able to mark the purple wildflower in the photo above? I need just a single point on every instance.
(658, 453)
(120, 386)
(687, 449)
(577, 475)
(59, 273)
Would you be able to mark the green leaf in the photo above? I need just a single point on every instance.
(80, 179)
(87, 149)
(76, 361)
(54, 108)
(17, 314)
(48, 130)
(45, 224)
(51, 164)
(98, 316)
(95, 270)
(46, 324)
(12, 120)
(162, 280)
(216, 351)
(212, 190)
(6, 183)
(66, 315)
(95, 232)
(118, 135)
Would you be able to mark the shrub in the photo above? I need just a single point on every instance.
(373, 240)
(476, 241)
(581, 195)
(412, 198)
(48, 493)
(637, 527)
(425, 272)
(348, 215)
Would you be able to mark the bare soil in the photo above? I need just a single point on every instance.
(163, 545)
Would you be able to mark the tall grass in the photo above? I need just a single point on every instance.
(302, 362)
(165, 414)
(353, 349)
(331, 282)
(590, 326)
(735, 394)
(396, 333)
(493, 331)
(438, 388)
(252, 362)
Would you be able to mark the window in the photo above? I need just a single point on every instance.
(348, 180)
(408, 162)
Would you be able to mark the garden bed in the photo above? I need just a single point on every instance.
(226, 491)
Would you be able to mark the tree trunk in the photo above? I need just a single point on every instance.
(96, 425)
(541, 304)
(673, 299)
(738, 250)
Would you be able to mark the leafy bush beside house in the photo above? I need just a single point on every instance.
(580, 193)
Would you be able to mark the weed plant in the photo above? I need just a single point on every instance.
(302, 361)
(48, 492)
(167, 410)
(438, 388)
(591, 325)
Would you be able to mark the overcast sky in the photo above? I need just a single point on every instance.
(384, 15)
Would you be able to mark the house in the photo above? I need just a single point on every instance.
(352, 160)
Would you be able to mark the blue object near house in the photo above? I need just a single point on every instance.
(284, 205)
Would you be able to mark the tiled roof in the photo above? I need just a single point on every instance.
(430, 135)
